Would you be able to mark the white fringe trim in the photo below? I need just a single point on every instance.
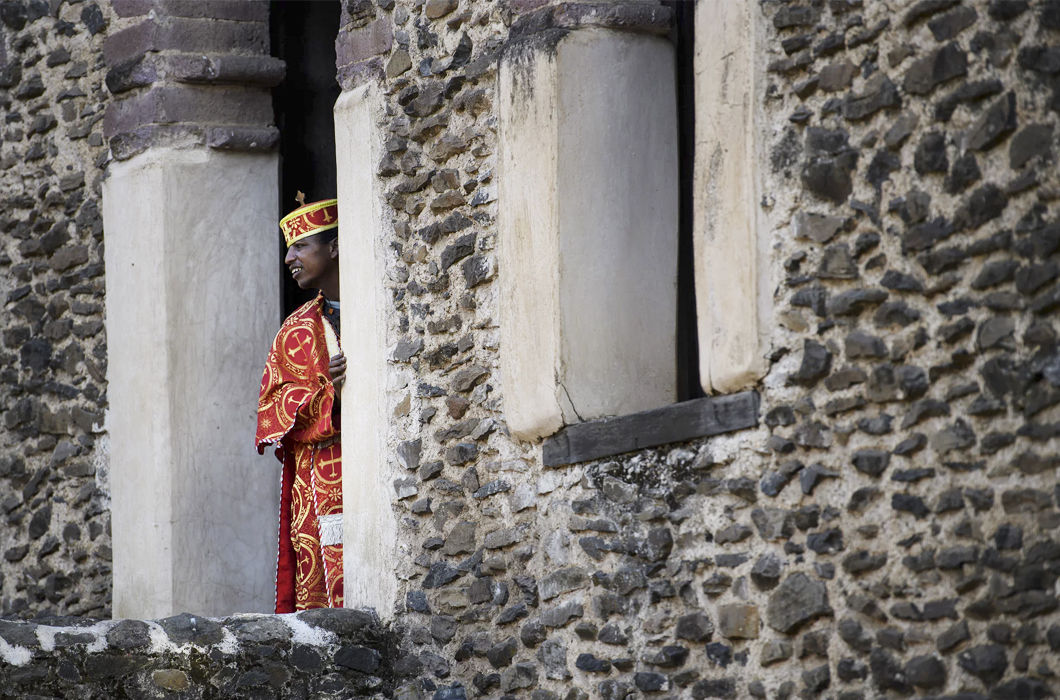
(330, 529)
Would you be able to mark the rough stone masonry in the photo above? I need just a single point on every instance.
(55, 538)
(889, 530)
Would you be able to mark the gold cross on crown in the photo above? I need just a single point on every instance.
(300, 198)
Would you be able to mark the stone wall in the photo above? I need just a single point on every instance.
(890, 528)
(318, 654)
(55, 540)
(914, 395)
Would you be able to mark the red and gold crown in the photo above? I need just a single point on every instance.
(310, 219)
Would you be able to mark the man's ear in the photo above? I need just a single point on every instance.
(333, 248)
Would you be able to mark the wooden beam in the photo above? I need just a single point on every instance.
(674, 423)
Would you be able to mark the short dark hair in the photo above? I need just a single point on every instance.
(329, 235)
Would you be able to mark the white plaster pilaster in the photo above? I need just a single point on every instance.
(733, 302)
(192, 307)
(369, 524)
(587, 218)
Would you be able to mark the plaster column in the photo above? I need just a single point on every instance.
(733, 302)
(192, 307)
(587, 244)
(369, 524)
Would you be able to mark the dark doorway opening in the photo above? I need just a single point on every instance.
(682, 34)
(303, 35)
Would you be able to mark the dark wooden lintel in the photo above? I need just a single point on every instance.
(677, 422)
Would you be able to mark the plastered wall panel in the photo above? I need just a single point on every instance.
(369, 525)
(588, 229)
(195, 507)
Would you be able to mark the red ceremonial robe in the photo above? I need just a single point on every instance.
(294, 413)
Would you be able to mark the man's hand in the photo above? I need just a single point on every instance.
(337, 370)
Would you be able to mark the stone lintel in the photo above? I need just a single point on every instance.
(242, 138)
(251, 139)
(127, 144)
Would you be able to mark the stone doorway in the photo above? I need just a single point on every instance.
(302, 35)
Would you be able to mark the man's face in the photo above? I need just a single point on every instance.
(310, 260)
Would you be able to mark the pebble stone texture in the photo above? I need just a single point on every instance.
(54, 519)
(82, 83)
(890, 529)
(314, 654)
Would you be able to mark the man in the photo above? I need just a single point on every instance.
(298, 412)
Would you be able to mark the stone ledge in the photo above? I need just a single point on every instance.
(198, 104)
(242, 138)
(249, 139)
(241, 655)
(258, 71)
(678, 422)
(210, 36)
(126, 144)
(196, 69)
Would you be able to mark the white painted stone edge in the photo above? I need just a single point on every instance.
(733, 299)
(369, 524)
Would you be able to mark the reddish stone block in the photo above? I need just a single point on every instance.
(127, 144)
(197, 105)
(354, 74)
(130, 42)
(139, 71)
(238, 10)
(262, 71)
(193, 35)
(364, 42)
(242, 138)
(215, 36)
(132, 8)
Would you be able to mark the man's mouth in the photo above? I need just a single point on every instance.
(295, 270)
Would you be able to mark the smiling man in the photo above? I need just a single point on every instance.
(298, 412)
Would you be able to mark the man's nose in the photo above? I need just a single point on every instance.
(289, 258)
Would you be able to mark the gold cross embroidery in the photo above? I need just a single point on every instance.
(302, 343)
(330, 463)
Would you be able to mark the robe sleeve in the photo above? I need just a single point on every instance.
(296, 390)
